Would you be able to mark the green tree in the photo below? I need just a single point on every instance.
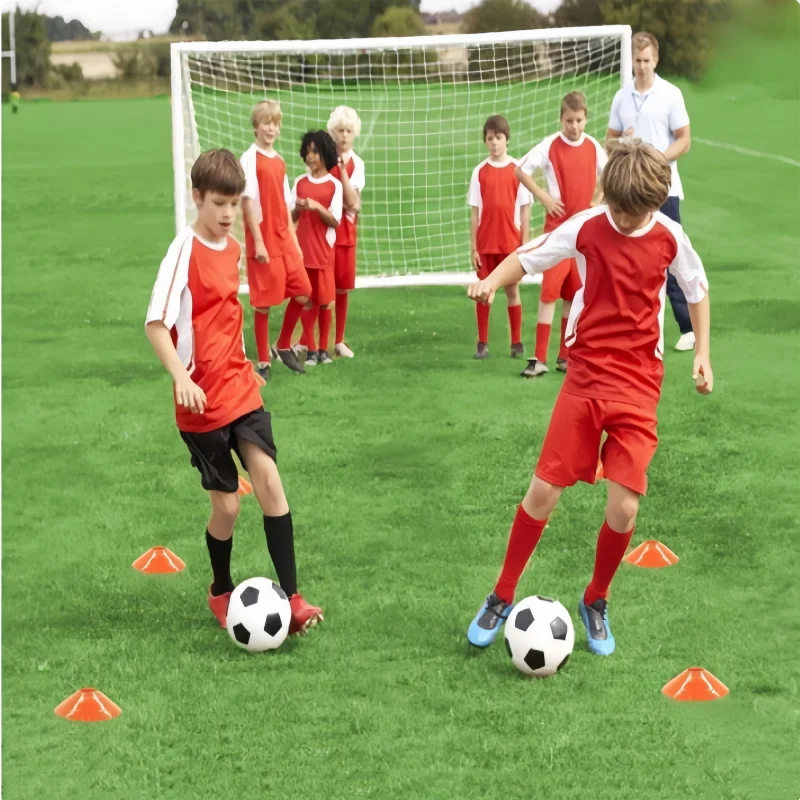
(398, 22)
(502, 15)
(577, 12)
(33, 48)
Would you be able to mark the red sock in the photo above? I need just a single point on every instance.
(261, 325)
(611, 547)
(325, 315)
(542, 341)
(290, 317)
(341, 316)
(309, 320)
(563, 352)
(302, 339)
(482, 311)
(525, 534)
(515, 321)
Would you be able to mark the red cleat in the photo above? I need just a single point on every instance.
(304, 615)
(219, 606)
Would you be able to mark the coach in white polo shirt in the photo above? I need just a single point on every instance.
(652, 109)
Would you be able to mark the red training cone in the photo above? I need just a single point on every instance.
(158, 560)
(695, 684)
(652, 554)
(88, 705)
(245, 487)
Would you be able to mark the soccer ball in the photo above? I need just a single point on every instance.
(539, 636)
(258, 615)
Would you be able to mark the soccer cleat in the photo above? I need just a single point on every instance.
(289, 359)
(534, 369)
(219, 606)
(686, 342)
(304, 615)
(264, 371)
(561, 365)
(487, 622)
(273, 352)
(595, 620)
(517, 349)
(343, 351)
(312, 359)
(482, 351)
(323, 357)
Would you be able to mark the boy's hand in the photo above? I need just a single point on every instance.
(301, 203)
(555, 208)
(482, 291)
(261, 252)
(702, 374)
(190, 395)
(313, 205)
(476, 260)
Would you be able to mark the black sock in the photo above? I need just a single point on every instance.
(220, 552)
(280, 542)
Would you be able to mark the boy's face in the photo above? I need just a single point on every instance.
(644, 64)
(344, 136)
(628, 223)
(266, 133)
(216, 212)
(496, 144)
(573, 123)
(313, 160)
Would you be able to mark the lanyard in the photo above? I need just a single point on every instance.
(638, 104)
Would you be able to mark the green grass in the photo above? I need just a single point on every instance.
(403, 468)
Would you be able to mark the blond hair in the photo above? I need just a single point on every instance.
(344, 115)
(218, 171)
(636, 178)
(574, 101)
(266, 111)
(644, 39)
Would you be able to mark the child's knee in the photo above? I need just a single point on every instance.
(225, 506)
(621, 512)
(262, 311)
(542, 498)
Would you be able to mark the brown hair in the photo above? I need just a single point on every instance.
(266, 111)
(644, 39)
(497, 124)
(218, 171)
(636, 178)
(574, 101)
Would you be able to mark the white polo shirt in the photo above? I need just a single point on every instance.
(654, 116)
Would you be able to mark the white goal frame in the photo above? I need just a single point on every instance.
(182, 112)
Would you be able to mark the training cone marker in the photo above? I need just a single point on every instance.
(652, 555)
(158, 560)
(88, 705)
(244, 487)
(695, 685)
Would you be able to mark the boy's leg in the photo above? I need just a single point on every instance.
(219, 541)
(261, 330)
(515, 319)
(344, 282)
(482, 310)
(290, 317)
(325, 315)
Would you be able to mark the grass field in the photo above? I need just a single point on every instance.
(403, 468)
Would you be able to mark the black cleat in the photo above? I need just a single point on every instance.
(264, 371)
(312, 359)
(289, 359)
(534, 369)
(517, 349)
(482, 351)
(323, 357)
(561, 365)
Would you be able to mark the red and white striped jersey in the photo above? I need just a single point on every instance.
(196, 295)
(615, 330)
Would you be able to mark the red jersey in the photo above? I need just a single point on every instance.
(499, 198)
(615, 330)
(196, 297)
(315, 237)
(267, 186)
(571, 170)
(346, 232)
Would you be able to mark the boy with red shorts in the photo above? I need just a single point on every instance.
(615, 333)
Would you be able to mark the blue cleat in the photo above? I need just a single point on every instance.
(488, 621)
(595, 620)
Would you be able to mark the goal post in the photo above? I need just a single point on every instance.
(422, 101)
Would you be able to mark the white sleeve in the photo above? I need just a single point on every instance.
(602, 157)
(292, 202)
(524, 197)
(287, 192)
(250, 179)
(615, 117)
(358, 178)
(534, 159)
(551, 248)
(172, 279)
(474, 192)
(336, 203)
(678, 115)
(688, 269)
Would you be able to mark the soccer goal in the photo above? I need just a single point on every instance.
(422, 101)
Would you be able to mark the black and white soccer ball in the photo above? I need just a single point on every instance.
(258, 615)
(539, 636)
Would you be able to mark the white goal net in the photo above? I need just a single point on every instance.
(422, 102)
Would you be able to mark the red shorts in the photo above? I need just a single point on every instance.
(344, 267)
(489, 263)
(323, 286)
(561, 281)
(281, 277)
(570, 449)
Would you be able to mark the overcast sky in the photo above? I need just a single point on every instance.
(123, 16)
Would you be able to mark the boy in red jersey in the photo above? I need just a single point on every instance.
(572, 161)
(500, 222)
(194, 323)
(274, 264)
(616, 338)
(317, 210)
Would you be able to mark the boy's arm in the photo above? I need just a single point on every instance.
(255, 229)
(700, 314)
(350, 195)
(474, 202)
(552, 206)
(187, 392)
(525, 222)
(473, 227)
(331, 216)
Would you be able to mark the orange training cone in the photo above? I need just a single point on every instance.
(652, 554)
(158, 560)
(88, 705)
(245, 487)
(695, 684)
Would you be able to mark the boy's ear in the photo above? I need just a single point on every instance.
(197, 197)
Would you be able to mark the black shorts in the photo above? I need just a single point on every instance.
(211, 451)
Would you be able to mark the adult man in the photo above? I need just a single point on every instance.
(652, 109)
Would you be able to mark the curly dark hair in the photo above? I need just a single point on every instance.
(323, 144)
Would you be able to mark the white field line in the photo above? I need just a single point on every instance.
(746, 151)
